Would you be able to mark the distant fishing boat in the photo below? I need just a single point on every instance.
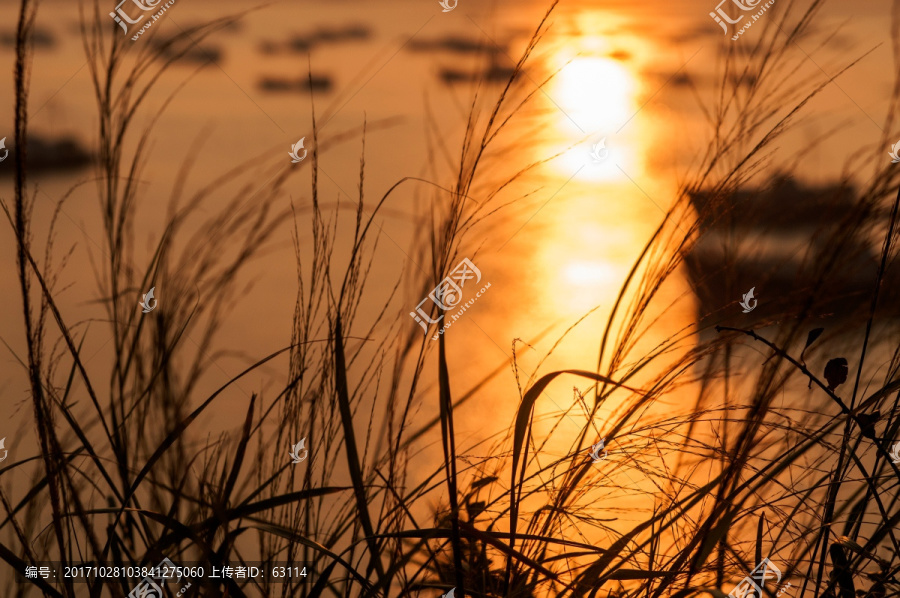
(797, 246)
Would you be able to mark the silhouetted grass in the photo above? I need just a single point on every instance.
(707, 473)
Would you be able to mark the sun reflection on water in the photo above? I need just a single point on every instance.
(594, 85)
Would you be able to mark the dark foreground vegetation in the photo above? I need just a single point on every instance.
(690, 499)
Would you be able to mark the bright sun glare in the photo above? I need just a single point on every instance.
(595, 95)
(590, 274)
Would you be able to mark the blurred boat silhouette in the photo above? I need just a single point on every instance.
(41, 37)
(805, 250)
(462, 45)
(322, 35)
(319, 83)
(49, 155)
(493, 74)
(169, 47)
(453, 45)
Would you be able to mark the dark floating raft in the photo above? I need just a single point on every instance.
(805, 250)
